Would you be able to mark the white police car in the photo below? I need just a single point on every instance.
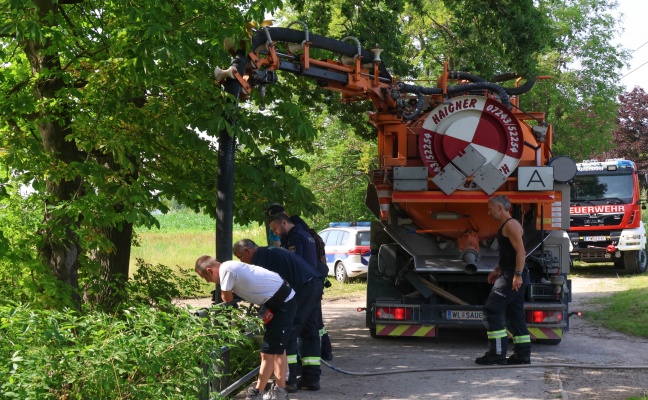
(347, 249)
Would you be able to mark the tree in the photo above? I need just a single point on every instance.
(100, 107)
(631, 135)
(580, 98)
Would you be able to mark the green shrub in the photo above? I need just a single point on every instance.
(142, 353)
(159, 284)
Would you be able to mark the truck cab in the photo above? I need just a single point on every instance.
(605, 215)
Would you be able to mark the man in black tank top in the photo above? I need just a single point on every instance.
(504, 306)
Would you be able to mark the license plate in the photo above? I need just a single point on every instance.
(465, 315)
(595, 238)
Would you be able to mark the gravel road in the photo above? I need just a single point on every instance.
(585, 345)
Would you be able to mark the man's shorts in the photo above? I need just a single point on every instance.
(277, 331)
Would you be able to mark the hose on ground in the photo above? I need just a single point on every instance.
(444, 369)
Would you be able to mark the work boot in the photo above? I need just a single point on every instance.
(254, 394)
(491, 358)
(308, 385)
(516, 359)
(291, 387)
(276, 393)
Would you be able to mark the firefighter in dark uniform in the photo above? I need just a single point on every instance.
(308, 286)
(300, 242)
(274, 209)
(504, 306)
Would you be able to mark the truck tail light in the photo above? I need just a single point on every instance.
(544, 316)
(394, 313)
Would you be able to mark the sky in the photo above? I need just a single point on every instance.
(635, 38)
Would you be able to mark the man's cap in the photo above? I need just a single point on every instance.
(274, 209)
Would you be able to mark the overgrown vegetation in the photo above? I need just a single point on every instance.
(148, 348)
(138, 353)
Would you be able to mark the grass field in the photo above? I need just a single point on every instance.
(624, 311)
(182, 238)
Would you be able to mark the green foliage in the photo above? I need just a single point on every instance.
(182, 221)
(339, 175)
(158, 285)
(508, 33)
(580, 99)
(139, 353)
(101, 104)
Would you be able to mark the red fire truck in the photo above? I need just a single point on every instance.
(605, 215)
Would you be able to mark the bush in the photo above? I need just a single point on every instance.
(142, 353)
(158, 285)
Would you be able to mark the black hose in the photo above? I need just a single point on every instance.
(419, 107)
(499, 78)
(504, 97)
(441, 369)
(321, 42)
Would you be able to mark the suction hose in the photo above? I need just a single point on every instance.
(442, 369)
(501, 92)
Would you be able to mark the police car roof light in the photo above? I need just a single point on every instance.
(342, 224)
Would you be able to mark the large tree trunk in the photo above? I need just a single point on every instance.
(60, 247)
(114, 266)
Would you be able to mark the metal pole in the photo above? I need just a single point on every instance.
(225, 173)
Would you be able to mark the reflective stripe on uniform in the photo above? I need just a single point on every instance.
(522, 339)
(292, 358)
(496, 334)
(322, 331)
(310, 361)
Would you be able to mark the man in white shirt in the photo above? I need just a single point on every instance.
(263, 287)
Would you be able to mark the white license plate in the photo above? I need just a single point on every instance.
(595, 238)
(465, 315)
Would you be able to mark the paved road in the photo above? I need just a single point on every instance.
(356, 351)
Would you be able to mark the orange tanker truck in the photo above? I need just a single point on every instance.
(443, 151)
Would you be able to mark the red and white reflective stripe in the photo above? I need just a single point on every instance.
(384, 192)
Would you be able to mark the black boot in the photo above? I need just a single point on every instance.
(516, 359)
(521, 354)
(496, 354)
(490, 358)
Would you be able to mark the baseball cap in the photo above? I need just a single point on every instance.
(274, 209)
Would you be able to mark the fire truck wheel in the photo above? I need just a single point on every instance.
(340, 273)
(635, 261)
(619, 264)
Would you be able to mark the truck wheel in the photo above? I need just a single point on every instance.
(340, 273)
(618, 263)
(635, 261)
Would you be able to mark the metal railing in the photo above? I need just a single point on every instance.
(220, 384)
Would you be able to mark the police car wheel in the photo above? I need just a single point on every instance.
(340, 273)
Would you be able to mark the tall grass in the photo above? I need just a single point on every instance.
(184, 237)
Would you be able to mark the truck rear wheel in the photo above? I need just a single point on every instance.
(635, 261)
